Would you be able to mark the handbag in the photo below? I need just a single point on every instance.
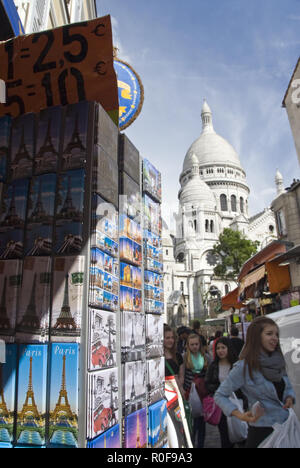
(195, 402)
(237, 429)
(212, 413)
(286, 435)
(200, 387)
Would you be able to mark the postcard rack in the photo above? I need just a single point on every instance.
(81, 284)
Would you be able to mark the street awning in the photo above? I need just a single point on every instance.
(272, 250)
(252, 278)
(279, 278)
(231, 300)
(291, 256)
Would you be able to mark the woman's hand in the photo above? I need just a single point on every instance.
(249, 417)
(289, 403)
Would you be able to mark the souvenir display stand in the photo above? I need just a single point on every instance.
(81, 285)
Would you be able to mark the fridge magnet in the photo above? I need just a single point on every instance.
(109, 439)
(102, 339)
(126, 249)
(137, 300)
(104, 217)
(96, 287)
(106, 133)
(151, 180)
(129, 158)
(103, 401)
(14, 204)
(134, 385)
(11, 244)
(32, 386)
(39, 228)
(68, 238)
(41, 199)
(110, 301)
(34, 307)
(156, 379)
(154, 336)
(135, 433)
(126, 298)
(130, 197)
(67, 306)
(48, 140)
(63, 414)
(111, 265)
(76, 136)
(22, 146)
(137, 254)
(105, 176)
(133, 337)
(7, 393)
(157, 423)
(70, 198)
(10, 286)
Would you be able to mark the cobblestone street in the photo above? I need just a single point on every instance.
(212, 439)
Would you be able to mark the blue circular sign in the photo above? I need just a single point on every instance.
(131, 93)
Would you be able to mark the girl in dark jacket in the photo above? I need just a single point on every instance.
(217, 372)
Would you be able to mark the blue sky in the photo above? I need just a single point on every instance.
(237, 54)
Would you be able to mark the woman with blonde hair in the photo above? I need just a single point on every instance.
(195, 366)
(261, 375)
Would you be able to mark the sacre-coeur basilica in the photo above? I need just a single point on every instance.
(213, 196)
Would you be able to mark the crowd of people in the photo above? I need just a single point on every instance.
(254, 371)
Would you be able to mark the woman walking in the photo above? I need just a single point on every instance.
(195, 365)
(261, 375)
(216, 374)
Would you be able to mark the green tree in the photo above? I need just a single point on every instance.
(233, 250)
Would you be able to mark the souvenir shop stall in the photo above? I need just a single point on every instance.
(81, 292)
(265, 285)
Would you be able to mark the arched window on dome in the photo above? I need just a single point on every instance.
(233, 203)
(242, 204)
(211, 226)
(206, 225)
(195, 225)
(223, 202)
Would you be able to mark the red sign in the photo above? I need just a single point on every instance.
(59, 67)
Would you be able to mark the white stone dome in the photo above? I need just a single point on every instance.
(210, 148)
(197, 192)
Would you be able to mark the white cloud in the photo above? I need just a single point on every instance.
(117, 41)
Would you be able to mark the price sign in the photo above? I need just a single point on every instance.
(59, 67)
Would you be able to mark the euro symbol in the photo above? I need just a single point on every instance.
(97, 30)
(99, 68)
